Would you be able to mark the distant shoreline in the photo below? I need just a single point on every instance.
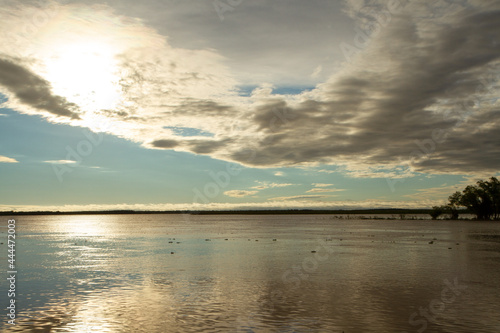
(232, 212)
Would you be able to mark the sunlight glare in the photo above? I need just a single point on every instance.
(85, 74)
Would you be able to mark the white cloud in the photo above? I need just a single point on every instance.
(317, 71)
(300, 197)
(324, 190)
(60, 162)
(239, 193)
(326, 171)
(5, 159)
(273, 204)
(266, 185)
(279, 173)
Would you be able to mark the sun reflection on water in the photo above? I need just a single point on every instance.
(126, 274)
(88, 226)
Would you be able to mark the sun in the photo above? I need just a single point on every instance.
(85, 73)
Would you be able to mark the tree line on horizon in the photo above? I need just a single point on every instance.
(482, 200)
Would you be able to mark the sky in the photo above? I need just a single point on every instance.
(239, 104)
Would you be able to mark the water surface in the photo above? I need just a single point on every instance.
(237, 273)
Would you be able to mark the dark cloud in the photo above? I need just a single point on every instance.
(422, 91)
(259, 34)
(204, 108)
(165, 144)
(34, 91)
(410, 87)
(196, 146)
(206, 146)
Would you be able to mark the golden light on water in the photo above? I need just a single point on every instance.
(90, 226)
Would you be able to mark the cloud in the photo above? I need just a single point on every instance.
(262, 186)
(417, 115)
(326, 171)
(435, 194)
(441, 193)
(419, 97)
(324, 190)
(300, 197)
(128, 76)
(389, 171)
(61, 162)
(239, 193)
(317, 71)
(281, 204)
(33, 91)
(266, 185)
(279, 174)
(167, 144)
(196, 25)
(5, 159)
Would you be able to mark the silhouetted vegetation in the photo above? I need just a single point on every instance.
(482, 200)
(385, 211)
(451, 211)
(437, 211)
